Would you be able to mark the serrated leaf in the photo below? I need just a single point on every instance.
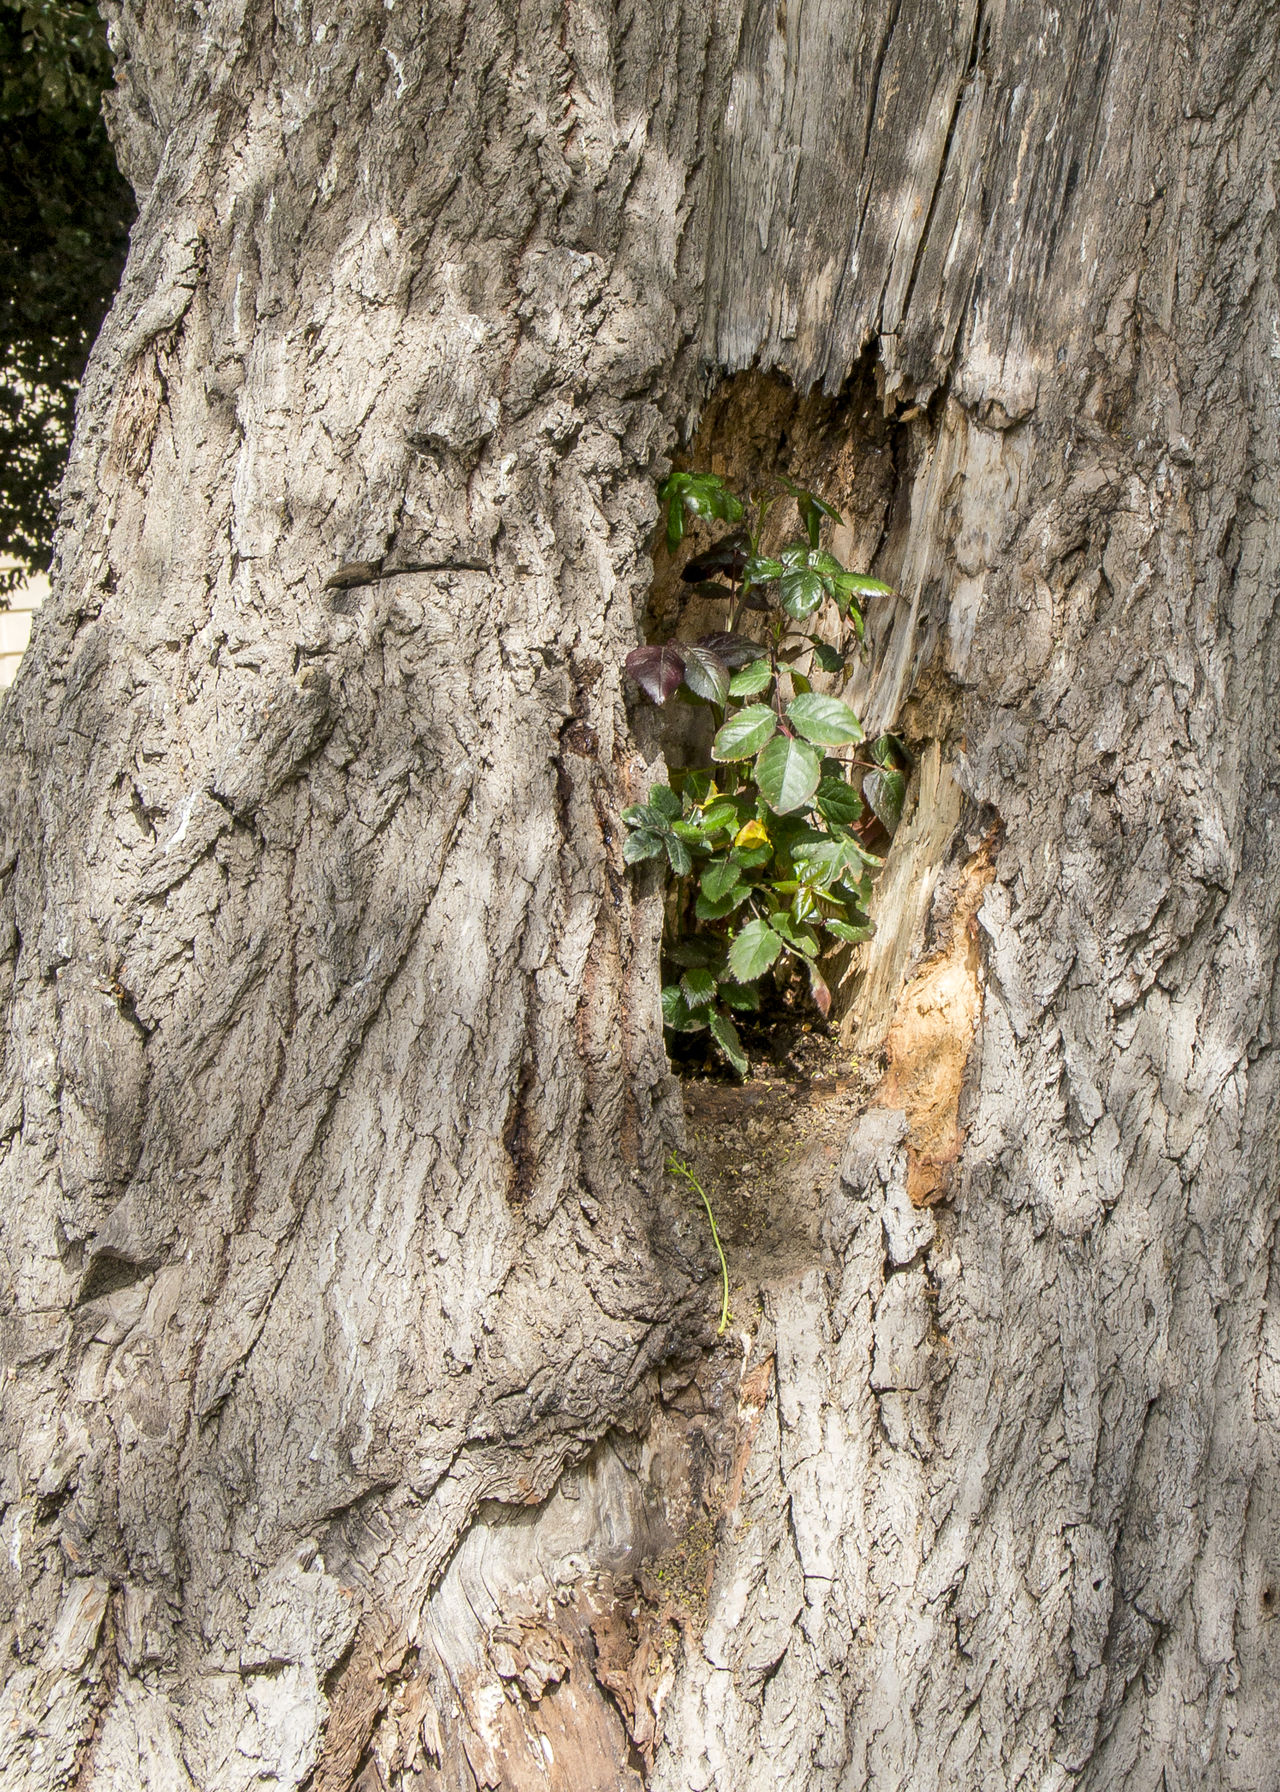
(706, 674)
(635, 815)
(883, 750)
(698, 987)
(753, 856)
(886, 792)
(681, 859)
(697, 494)
(753, 951)
(751, 680)
(824, 862)
(801, 591)
(793, 831)
(727, 1038)
(657, 670)
(827, 657)
(857, 584)
(676, 1012)
(824, 720)
(759, 570)
(797, 935)
(718, 879)
(639, 846)
(720, 815)
(692, 835)
(708, 909)
(838, 802)
(845, 930)
(734, 650)
(693, 951)
(787, 773)
(664, 801)
(744, 734)
(812, 509)
(743, 996)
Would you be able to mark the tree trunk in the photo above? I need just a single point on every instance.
(365, 1422)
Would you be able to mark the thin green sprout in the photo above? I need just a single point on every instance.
(676, 1168)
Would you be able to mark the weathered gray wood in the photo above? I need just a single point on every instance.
(357, 1366)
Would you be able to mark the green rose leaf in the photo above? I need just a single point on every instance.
(827, 657)
(720, 878)
(795, 934)
(719, 815)
(751, 680)
(698, 988)
(801, 591)
(727, 1038)
(857, 584)
(745, 997)
(826, 861)
(715, 909)
(664, 801)
(824, 720)
(744, 734)
(699, 952)
(812, 509)
(838, 802)
(676, 1012)
(700, 494)
(640, 845)
(705, 673)
(787, 773)
(753, 951)
(886, 792)
(679, 855)
(845, 930)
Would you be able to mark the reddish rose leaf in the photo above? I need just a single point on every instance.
(657, 670)
(734, 650)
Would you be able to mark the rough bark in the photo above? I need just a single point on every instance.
(363, 1419)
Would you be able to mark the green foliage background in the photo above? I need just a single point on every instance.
(65, 212)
